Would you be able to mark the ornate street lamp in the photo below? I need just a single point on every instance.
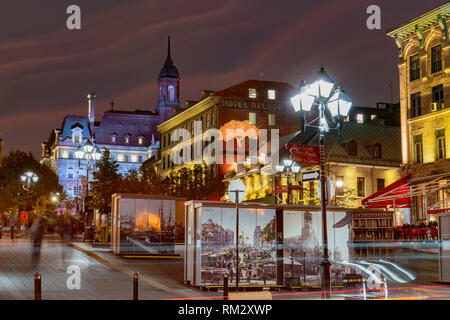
(90, 153)
(29, 178)
(321, 92)
(289, 165)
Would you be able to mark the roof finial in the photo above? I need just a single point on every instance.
(168, 48)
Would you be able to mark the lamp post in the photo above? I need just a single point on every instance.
(290, 166)
(322, 92)
(28, 178)
(90, 153)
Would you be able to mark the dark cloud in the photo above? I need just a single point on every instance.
(46, 70)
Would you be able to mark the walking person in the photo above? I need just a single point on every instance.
(67, 232)
(12, 224)
(37, 232)
(248, 274)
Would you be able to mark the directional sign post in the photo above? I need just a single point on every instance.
(310, 175)
(237, 192)
(329, 190)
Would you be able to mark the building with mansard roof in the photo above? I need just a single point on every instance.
(130, 136)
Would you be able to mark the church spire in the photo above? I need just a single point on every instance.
(169, 58)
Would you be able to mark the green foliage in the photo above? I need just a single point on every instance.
(13, 194)
(106, 182)
(198, 183)
(100, 233)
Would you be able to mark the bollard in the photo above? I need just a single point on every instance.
(37, 286)
(135, 286)
(364, 290)
(225, 286)
(385, 290)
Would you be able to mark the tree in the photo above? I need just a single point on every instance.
(155, 185)
(198, 183)
(106, 182)
(13, 194)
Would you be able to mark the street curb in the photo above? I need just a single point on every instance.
(125, 270)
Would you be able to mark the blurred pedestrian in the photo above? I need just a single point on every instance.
(248, 274)
(36, 232)
(67, 232)
(12, 224)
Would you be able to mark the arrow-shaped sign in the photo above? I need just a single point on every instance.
(310, 175)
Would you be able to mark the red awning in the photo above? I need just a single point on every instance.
(397, 193)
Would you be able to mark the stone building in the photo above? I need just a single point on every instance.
(424, 67)
(251, 104)
(363, 160)
(130, 136)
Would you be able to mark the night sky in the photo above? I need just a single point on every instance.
(46, 70)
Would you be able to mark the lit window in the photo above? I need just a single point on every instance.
(120, 157)
(373, 117)
(414, 67)
(360, 118)
(416, 105)
(418, 150)
(361, 184)
(252, 117)
(339, 185)
(113, 138)
(208, 120)
(436, 60)
(65, 154)
(140, 140)
(171, 90)
(252, 93)
(271, 94)
(380, 184)
(134, 158)
(440, 144)
(271, 119)
(127, 139)
(377, 151)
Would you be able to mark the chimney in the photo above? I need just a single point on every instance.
(205, 94)
(91, 111)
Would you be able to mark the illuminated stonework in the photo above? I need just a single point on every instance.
(424, 67)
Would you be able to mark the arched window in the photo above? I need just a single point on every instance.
(171, 90)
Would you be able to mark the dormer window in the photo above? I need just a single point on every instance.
(353, 148)
(113, 138)
(140, 139)
(377, 151)
(252, 93)
(127, 139)
(77, 133)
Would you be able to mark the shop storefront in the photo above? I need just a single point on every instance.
(146, 224)
(278, 245)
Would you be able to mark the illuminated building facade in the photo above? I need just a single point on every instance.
(424, 67)
(250, 104)
(130, 136)
(365, 159)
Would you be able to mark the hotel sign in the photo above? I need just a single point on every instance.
(251, 105)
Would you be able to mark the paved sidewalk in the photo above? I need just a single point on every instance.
(106, 279)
